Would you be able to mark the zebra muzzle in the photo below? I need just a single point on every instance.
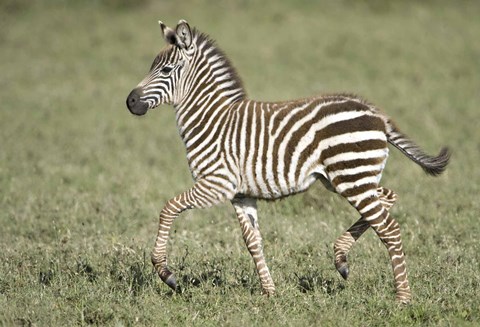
(134, 104)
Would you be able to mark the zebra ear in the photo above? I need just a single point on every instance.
(184, 33)
(168, 34)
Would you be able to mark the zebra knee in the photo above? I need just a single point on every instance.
(387, 197)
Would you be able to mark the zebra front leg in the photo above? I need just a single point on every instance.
(344, 243)
(246, 210)
(200, 196)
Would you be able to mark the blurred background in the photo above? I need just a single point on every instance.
(82, 180)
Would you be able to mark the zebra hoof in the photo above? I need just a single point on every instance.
(170, 281)
(342, 268)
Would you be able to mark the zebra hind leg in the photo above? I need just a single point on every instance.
(344, 243)
(246, 210)
(388, 230)
(365, 199)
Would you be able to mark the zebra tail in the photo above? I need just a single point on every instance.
(432, 165)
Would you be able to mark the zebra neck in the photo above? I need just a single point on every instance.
(197, 119)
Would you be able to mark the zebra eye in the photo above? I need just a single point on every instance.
(166, 69)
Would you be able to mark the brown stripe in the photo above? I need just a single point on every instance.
(238, 137)
(353, 178)
(354, 163)
(359, 190)
(230, 128)
(378, 220)
(365, 202)
(352, 147)
(256, 115)
(372, 211)
(358, 124)
(266, 114)
(249, 112)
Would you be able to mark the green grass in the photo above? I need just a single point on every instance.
(82, 181)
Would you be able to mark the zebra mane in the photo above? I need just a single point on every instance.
(201, 38)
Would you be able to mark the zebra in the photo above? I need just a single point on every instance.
(241, 150)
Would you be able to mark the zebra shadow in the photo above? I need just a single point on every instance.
(316, 282)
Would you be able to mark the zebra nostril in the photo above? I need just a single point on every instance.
(132, 99)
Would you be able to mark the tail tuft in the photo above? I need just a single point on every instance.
(435, 165)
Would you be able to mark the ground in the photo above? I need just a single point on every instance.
(82, 180)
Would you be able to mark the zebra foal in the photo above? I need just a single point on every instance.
(241, 150)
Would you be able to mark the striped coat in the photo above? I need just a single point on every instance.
(241, 150)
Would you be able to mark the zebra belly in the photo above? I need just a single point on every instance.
(271, 190)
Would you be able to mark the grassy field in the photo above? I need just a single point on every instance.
(82, 180)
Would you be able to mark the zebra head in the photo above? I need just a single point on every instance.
(161, 85)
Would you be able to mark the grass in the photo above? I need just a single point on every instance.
(82, 180)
